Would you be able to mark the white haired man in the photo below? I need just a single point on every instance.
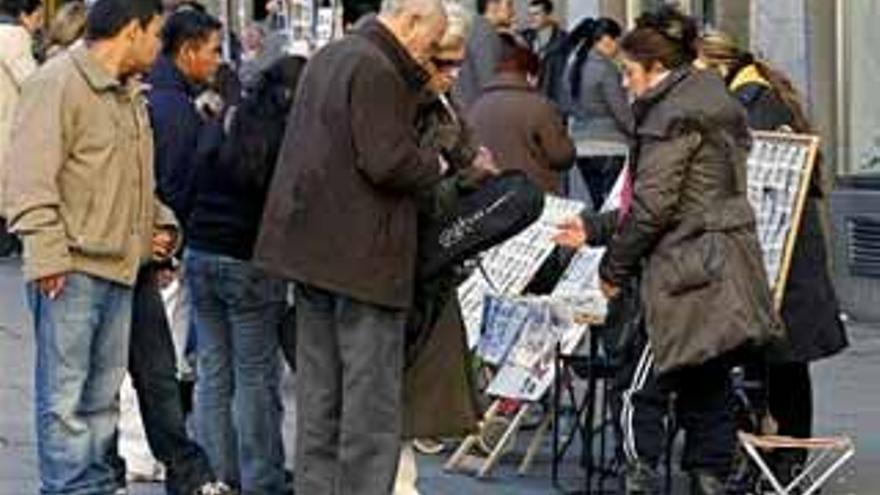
(340, 220)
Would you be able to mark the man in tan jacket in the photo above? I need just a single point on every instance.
(19, 20)
(81, 196)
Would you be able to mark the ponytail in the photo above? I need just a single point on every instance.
(583, 38)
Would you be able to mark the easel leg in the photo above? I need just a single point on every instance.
(535, 444)
(498, 451)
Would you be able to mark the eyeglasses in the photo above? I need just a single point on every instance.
(446, 63)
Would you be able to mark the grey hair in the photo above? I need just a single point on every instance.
(422, 7)
(459, 21)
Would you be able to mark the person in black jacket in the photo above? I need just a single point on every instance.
(810, 307)
(547, 40)
(185, 134)
(238, 308)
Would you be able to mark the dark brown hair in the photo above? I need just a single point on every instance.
(666, 37)
(516, 57)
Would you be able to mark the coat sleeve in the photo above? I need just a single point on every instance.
(34, 199)
(385, 141)
(600, 226)
(615, 96)
(19, 61)
(554, 138)
(661, 168)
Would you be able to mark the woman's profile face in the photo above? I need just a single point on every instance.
(606, 45)
(445, 65)
(639, 80)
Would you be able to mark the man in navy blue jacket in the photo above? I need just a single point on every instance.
(186, 134)
(183, 139)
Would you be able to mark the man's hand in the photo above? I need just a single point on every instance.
(484, 166)
(52, 285)
(572, 233)
(164, 242)
(609, 290)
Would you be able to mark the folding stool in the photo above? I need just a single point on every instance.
(831, 454)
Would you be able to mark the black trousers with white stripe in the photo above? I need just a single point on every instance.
(702, 401)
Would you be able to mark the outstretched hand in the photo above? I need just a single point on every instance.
(572, 233)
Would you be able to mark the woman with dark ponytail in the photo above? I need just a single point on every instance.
(686, 231)
(601, 116)
(810, 307)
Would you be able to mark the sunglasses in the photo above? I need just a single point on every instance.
(446, 63)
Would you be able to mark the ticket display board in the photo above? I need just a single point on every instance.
(780, 166)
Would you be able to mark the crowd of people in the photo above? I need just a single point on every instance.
(284, 196)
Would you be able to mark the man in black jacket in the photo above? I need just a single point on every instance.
(547, 41)
(340, 220)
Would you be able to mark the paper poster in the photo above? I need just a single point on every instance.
(579, 285)
(508, 268)
(529, 369)
(503, 321)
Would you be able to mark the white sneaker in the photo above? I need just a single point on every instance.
(215, 488)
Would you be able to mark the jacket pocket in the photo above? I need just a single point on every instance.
(694, 264)
(106, 227)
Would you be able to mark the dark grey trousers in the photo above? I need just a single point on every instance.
(349, 374)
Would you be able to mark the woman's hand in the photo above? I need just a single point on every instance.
(572, 233)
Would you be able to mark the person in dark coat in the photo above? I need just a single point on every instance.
(547, 40)
(686, 229)
(810, 308)
(519, 125)
(341, 220)
(184, 137)
(237, 306)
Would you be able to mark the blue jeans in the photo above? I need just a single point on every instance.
(238, 409)
(82, 357)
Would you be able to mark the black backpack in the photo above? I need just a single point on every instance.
(500, 208)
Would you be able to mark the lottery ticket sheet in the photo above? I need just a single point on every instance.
(579, 286)
(528, 370)
(778, 170)
(508, 268)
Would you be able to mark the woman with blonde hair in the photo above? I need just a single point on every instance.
(66, 28)
(810, 308)
(435, 334)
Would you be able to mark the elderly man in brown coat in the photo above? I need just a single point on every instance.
(518, 124)
(340, 220)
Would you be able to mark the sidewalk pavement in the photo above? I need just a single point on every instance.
(847, 391)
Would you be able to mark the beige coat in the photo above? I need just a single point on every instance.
(16, 64)
(81, 188)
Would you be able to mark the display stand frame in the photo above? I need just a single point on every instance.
(811, 142)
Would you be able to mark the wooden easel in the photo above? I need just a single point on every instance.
(467, 458)
(812, 144)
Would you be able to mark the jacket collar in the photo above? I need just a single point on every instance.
(509, 81)
(380, 36)
(166, 75)
(94, 73)
(644, 103)
(747, 75)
